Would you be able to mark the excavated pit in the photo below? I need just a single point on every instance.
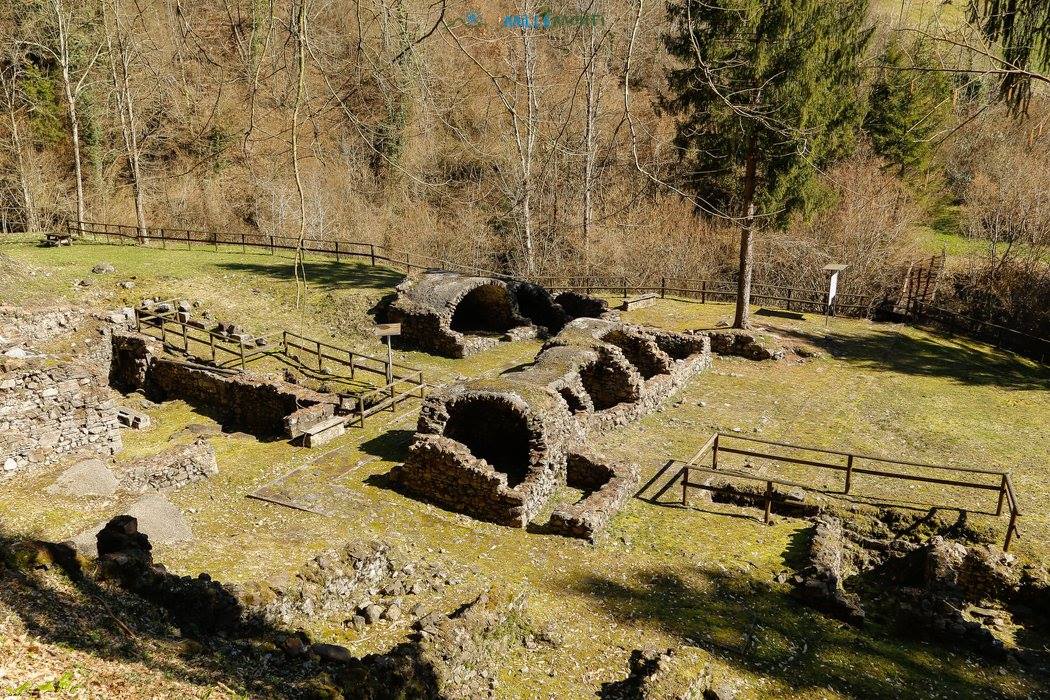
(497, 449)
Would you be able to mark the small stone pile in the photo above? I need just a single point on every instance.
(822, 585)
(171, 469)
(363, 583)
(956, 590)
(686, 673)
(124, 554)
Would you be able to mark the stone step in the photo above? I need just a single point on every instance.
(327, 430)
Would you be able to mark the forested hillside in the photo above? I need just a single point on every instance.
(556, 149)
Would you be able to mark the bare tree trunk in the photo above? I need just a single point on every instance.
(528, 152)
(71, 103)
(588, 150)
(120, 64)
(10, 87)
(298, 268)
(747, 253)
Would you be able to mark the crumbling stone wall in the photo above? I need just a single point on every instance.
(498, 448)
(456, 315)
(173, 468)
(752, 345)
(822, 586)
(607, 487)
(47, 412)
(242, 400)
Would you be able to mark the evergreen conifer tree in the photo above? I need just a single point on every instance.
(766, 93)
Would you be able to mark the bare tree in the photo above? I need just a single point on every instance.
(121, 58)
(15, 106)
(60, 47)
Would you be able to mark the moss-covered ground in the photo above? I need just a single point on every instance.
(665, 575)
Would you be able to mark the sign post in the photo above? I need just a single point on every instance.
(388, 331)
(833, 288)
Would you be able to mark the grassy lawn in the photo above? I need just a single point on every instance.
(665, 575)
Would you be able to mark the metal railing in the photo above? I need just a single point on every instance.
(849, 463)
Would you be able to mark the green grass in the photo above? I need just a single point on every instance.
(665, 575)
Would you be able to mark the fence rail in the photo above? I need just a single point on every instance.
(840, 461)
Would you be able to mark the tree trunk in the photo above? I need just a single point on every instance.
(71, 106)
(747, 264)
(747, 252)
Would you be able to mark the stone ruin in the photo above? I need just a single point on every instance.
(498, 448)
(51, 405)
(454, 315)
(242, 400)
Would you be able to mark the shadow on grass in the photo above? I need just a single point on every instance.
(325, 275)
(934, 355)
(64, 607)
(391, 446)
(751, 625)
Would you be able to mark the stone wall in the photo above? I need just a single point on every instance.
(239, 400)
(172, 468)
(48, 412)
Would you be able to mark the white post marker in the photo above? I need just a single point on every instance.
(388, 331)
(833, 288)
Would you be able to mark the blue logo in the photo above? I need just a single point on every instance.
(473, 19)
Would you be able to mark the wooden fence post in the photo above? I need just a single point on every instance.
(849, 473)
(663, 287)
(1010, 529)
(320, 364)
(337, 251)
(703, 292)
(685, 485)
(714, 453)
(241, 343)
(243, 249)
(624, 287)
(769, 500)
(1002, 495)
(372, 252)
(361, 409)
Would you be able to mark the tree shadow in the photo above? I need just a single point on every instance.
(61, 605)
(934, 355)
(755, 627)
(327, 275)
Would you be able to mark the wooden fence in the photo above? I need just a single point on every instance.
(790, 298)
(226, 353)
(703, 290)
(954, 323)
(850, 464)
